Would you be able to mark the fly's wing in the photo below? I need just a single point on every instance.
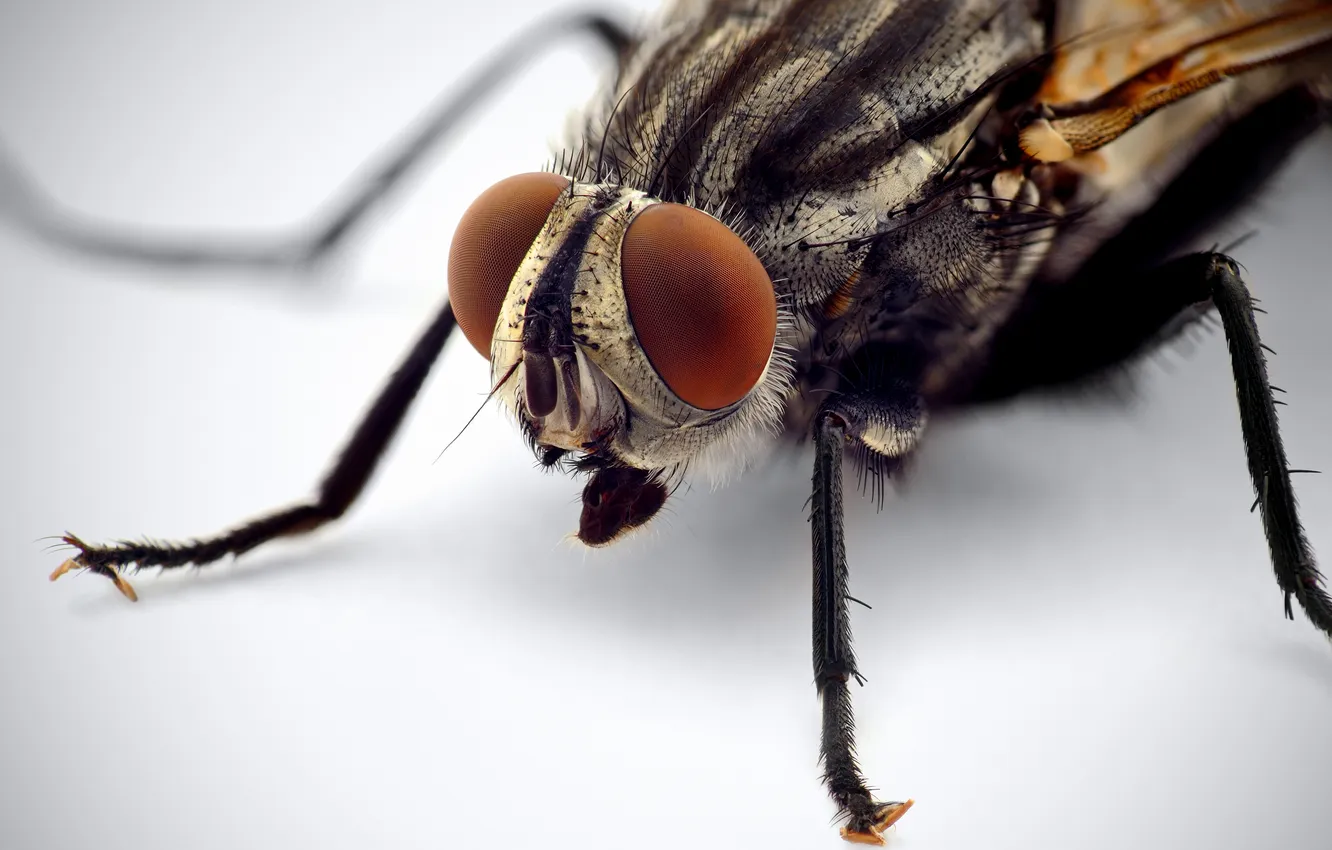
(1136, 87)
(1137, 48)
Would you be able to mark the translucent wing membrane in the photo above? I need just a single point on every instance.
(1129, 60)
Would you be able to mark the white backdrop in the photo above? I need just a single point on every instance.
(1076, 640)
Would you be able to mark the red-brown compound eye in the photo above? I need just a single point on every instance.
(702, 304)
(494, 235)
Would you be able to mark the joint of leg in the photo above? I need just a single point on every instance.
(834, 675)
(833, 419)
(1222, 273)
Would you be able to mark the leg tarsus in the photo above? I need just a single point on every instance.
(338, 490)
(882, 816)
(78, 562)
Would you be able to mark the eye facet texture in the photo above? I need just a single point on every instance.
(702, 304)
(494, 235)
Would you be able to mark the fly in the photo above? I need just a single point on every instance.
(829, 221)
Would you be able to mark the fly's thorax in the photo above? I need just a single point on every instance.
(815, 236)
(822, 121)
(575, 367)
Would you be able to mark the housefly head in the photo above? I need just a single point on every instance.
(637, 333)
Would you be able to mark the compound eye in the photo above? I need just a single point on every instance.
(494, 235)
(702, 304)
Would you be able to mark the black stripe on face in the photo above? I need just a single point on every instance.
(547, 318)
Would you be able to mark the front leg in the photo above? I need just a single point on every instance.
(884, 425)
(339, 489)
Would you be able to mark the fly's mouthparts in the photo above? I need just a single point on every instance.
(539, 384)
(569, 390)
(553, 393)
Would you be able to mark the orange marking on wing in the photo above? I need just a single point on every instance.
(1107, 43)
(1185, 56)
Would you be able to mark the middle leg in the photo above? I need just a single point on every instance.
(886, 424)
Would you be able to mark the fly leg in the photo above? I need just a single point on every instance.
(42, 217)
(1215, 276)
(1128, 299)
(337, 491)
(886, 424)
(1120, 313)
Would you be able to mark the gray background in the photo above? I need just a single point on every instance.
(1076, 639)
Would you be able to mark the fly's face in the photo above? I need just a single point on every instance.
(641, 336)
